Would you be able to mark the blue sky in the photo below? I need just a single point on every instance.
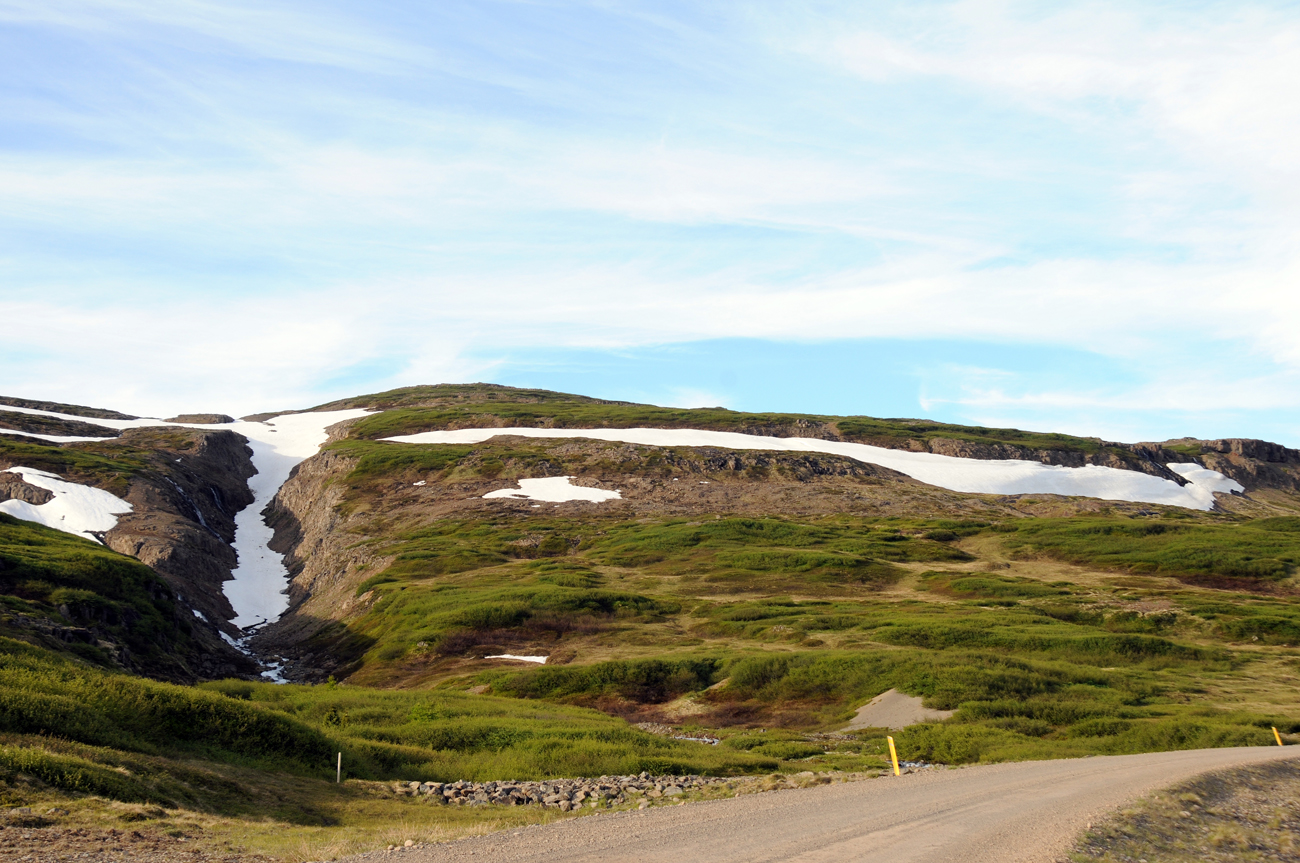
(1078, 217)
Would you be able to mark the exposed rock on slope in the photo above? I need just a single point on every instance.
(36, 424)
(14, 487)
(184, 512)
(202, 419)
(59, 407)
(1115, 455)
(1256, 464)
(185, 489)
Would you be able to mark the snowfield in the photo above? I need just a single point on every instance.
(80, 509)
(977, 476)
(554, 489)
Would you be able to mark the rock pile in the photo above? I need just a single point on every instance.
(563, 794)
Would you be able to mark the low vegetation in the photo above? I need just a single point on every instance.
(233, 754)
(76, 597)
(1251, 813)
(1123, 630)
(1251, 553)
(416, 409)
(735, 623)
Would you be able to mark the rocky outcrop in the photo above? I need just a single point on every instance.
(183, 518)
(36, 424)
(13, 487)
(1256, 464)
(185, 487)
(61, 408)
(182, 525)
(319, 540)
(202, 419)
(1113, 455)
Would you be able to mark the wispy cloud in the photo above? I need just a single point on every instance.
(270, 30)
(363, 193)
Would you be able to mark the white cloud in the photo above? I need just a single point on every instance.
(238, 356)
(1221, 82)
(266, 29)
(389, 230)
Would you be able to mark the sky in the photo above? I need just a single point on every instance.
(1077, 217)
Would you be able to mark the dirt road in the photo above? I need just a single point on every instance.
(1006, 813)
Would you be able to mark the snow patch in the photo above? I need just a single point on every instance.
(554, 489)
(80, 509)
(1204, 478)
(976, 476)
(540, 660)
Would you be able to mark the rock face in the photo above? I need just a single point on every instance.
(183, 522)
(1119, 456)
(36, 424)
(1256, 464)
(185, 487)
(324, 560)
(13, 487)
(61, 408)
(202, 419)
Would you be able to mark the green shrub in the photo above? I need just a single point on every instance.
(69, 773)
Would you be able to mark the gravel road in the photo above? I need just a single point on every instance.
(1027, 812)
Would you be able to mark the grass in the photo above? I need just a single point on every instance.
(1249, 813)
(458, 586)
(73, 596)
(108, 466)
(1048, 637)
(1251, 553)
(52, 425)
(789, 623)
(414, 409)
(440, 736)
(254, 763)
(59, 407)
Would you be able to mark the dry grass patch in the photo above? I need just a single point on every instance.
(1246, 814)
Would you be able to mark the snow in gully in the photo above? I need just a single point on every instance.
(258, 586)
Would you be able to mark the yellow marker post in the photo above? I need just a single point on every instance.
(893, 756)
(1278, 736)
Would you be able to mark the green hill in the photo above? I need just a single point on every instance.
(756, 597)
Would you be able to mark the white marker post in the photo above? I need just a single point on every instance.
(338, 777)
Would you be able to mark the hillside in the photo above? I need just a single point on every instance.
(756, 595)
(183, 488)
